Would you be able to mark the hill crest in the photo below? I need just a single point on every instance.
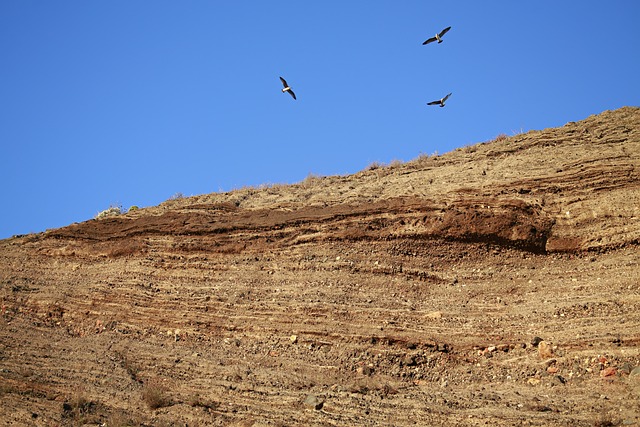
(560, 189)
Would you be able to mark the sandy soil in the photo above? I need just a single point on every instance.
(498, 284)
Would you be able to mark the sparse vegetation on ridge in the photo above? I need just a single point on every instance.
(112, 211)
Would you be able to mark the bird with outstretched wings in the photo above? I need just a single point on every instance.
(287, 88)
(439, 102)
(437, 37)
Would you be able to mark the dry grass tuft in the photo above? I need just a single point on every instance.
(311, 180)
(500, 138)
(374, 166)
(176, 196)
(156, 395)
(81, 409)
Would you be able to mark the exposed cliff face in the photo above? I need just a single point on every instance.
(396, 283)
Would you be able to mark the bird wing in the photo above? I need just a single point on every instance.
(432, 39)
(433, 102)
(445, 98)
(284, 82)
(443, 32)
(292, 94)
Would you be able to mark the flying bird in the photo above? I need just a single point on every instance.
(287, 88)
(438, 37)
(439, 102)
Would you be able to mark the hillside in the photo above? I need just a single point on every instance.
(410, 294)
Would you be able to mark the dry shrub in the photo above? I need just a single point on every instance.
(311, 180)
(176, 196)
(81, 409)
(374, 165)
(500, 137)
(422, 157)
(395, 163)
(156, 395)
(111, 212)
(419, 162)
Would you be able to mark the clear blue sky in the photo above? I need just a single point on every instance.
(130, 102)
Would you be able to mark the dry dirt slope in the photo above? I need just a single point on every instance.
(413, 294)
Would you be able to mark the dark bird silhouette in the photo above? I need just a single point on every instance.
(439, 102)
(287, 88)
(438, 37)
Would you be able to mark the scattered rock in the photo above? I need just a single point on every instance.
(435, 315)
(504, 347)
(536, 341)
(544, 350)
(608, 372)
(533, 381)
(625, 368)
(293, 339)
(409, 360)
(313, 401)
(634, 379)
(443, 348)
(557, 380)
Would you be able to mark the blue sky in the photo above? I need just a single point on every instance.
(130, 102)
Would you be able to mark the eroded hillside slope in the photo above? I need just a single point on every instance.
(413, 294)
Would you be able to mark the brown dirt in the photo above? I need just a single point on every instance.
(411, 294)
